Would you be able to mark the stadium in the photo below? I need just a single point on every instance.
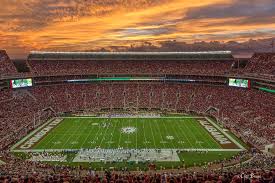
(77, 113)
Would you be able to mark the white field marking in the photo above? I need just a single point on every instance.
(78, 135)
(96, 135)
(55, 121)
(188, 129)
(184, 149)
(226, 134)
(203, 136)
(170, 137)
(198, 140)
(110, 142)
(65, 134)
(163, 141)
(50, 139)
(87, 137)
(136, 134)
(119, 139)
(175, 130)
(153, 134)
(144, 132)
(191, 127)
(31, 134)
(72, 134)
(103, 137)
(196, 117)
(159, 132)
(183, 132)
(114, 130)
(56, 134)
(128, 135)
(202, 140)
(216, 139)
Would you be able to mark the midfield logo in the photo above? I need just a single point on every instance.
(128, 130)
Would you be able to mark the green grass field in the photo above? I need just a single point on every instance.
(167, 132)
(76, 133)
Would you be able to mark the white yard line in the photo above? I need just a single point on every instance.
(136, 134)
(175, 132)
(160, 135)
(210, 136)
(71, 135)
(87, 137)
(103, 138)
(119, 139)
(144, 133)
(50, 140)
(152, 135)
(112, 134)
(187, 126)
(128, 135)
(78, 135)
(183, 132)
(95, 136)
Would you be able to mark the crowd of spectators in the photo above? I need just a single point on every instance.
(74, 67)
(261, 64)
(6, 65)
(249, 113)
(257, 169)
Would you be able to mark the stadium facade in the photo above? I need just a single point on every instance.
(239, 94)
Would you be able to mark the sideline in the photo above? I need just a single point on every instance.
(226, 134)
(76, 150)
(17, 144)
(176, 117)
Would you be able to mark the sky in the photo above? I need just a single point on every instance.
(79, 25)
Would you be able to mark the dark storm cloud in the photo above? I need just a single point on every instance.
(239, 34)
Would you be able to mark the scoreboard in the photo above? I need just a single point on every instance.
(242, 83)
(20, 83)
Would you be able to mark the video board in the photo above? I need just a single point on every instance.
(242, 83)
(21, 83)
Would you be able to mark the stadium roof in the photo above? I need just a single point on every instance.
(212, 55)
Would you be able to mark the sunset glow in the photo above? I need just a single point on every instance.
(78, 25)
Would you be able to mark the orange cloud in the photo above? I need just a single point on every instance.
(74, 25)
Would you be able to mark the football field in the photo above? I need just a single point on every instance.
(129, 133)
